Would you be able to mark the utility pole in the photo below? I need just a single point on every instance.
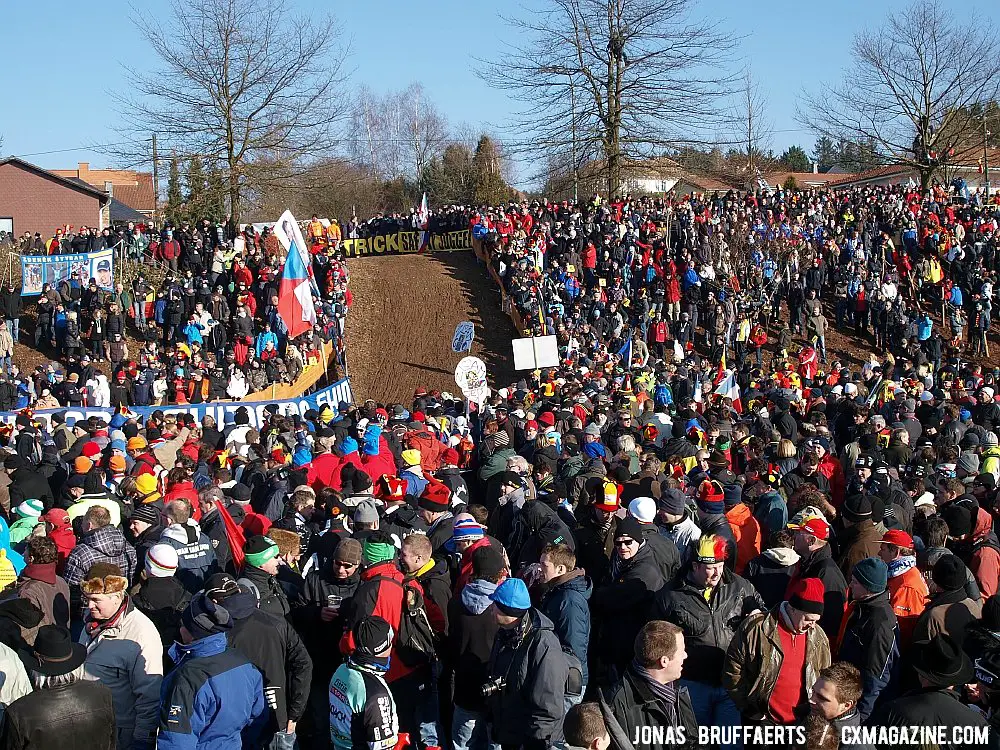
(156, 184)
(986, 156)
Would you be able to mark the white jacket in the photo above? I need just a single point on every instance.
(128, 658)
(14, 682)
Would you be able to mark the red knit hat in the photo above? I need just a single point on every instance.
(531, 424)
(435, 497)
(450, 457)
(806, 595)
(711, 491)
(418, 416)
(547, 418)
(91, 449)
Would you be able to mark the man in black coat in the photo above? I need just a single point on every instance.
(871, 635)
(159, 595)
(707, 601)
(621, 606)
(26, 483)
(10, 305)
(942, 668)
(469, 644)
(649, 693)
(78, 712)
(812, 542)
(273, 646)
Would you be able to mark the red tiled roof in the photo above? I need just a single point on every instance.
(139, 195)
(872, 174)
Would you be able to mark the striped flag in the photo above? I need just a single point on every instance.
(728, 388)
(626, 353)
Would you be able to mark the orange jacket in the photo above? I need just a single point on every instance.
(908, 594)
(746, 530)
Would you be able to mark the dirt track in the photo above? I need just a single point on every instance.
(405, 311)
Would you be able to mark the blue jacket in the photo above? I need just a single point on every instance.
(212, 700)
(414, 484)
(566, 601)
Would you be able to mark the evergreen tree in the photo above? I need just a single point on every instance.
(489, 187)
(215, 194)
(197, 192)
(795, 159)
(825, 153)
(174, 210)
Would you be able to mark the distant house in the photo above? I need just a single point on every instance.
(33, 199)
(128, 187)
(967, 164)
(803, 180)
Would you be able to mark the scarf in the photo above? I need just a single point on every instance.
(367, 663)
(901, 564)
(665, 693)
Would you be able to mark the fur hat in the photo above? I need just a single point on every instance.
(104, 578)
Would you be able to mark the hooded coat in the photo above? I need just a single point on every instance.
(530, 659)
(566, 601)
(273, 646)
(472, 631)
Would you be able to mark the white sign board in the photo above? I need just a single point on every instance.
(535, 353)
(470, 375)
(464, 334)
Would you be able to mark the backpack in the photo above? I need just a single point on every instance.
(415, 644)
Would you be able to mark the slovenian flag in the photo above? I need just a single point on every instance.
(728, 388)
(295, 303)
(423, 218)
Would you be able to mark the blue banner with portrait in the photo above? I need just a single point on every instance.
(78, 269)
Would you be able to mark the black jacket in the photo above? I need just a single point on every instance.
(162, 600)
(29, 484)
(664, 550)
(871, 643)
(214, 528)
(437, 585)
(620, 608)
(770, 577)
(272, 596)
(820, 564)
(276, 650)
(80, 715)
(928, 707)
(708, 625)
(472, 631)
(316, 634)
(631, 703)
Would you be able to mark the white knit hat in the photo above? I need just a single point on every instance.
(643, 509)
(161, 561)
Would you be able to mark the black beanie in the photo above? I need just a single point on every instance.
(631, 528)
(131, 430)
(372, 636)
(949, 573)
(857, 508)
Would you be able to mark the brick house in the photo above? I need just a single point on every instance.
(134, 189)
(33, 199)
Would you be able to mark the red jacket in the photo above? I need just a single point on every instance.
(429, 446)
(380, 594)
(660, 332)
(170, 249)
(589, 257)
(985, 561)
(380, 464)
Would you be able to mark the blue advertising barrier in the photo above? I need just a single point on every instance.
(221, 411)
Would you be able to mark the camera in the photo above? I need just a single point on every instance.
(494, 687)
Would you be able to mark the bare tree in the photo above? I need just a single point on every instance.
(241, 81)
(612, 80)
(753, 129)
(911, 87)
(396, 134)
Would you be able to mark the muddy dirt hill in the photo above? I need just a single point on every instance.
(405, 311)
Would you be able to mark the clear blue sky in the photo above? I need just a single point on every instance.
(62, 57)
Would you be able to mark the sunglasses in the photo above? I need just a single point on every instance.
(341, 564)
(624, 542)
